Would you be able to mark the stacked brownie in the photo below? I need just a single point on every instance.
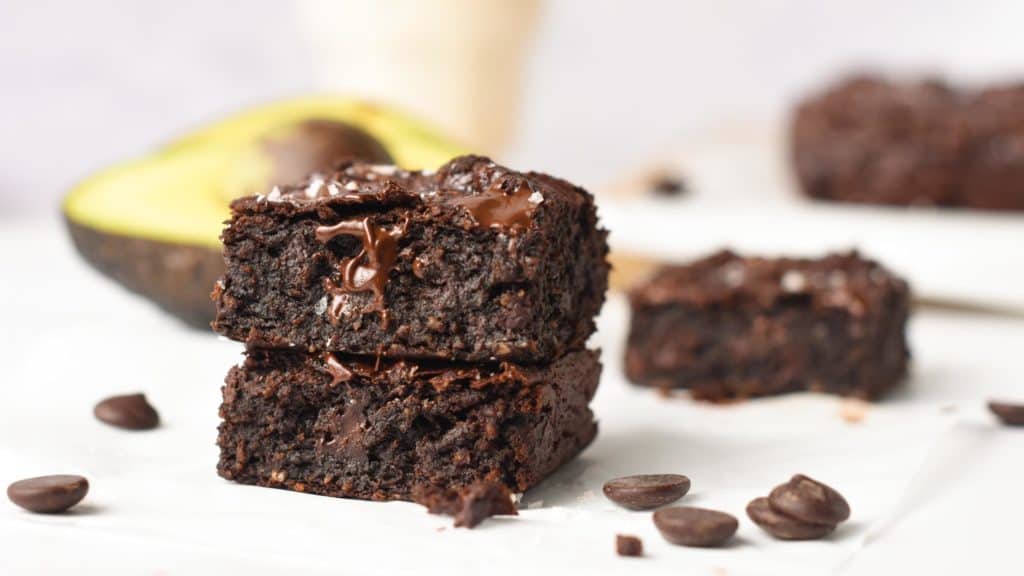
(409, 329)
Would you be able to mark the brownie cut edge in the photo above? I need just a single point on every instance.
(345, 427)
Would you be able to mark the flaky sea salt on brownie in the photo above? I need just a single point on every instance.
(732, 327)
(338, 426)
(474, 262)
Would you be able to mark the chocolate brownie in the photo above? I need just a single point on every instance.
(474, 262)
(344, 427)
(731, 327)
(875, 141)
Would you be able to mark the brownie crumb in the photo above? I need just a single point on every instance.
(470, 505)
(853, 410)
(626, 545)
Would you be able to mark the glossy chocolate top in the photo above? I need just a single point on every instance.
(492, 195)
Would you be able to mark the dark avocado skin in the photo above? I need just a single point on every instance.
(178, 278)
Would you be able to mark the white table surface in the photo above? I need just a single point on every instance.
(934, 483)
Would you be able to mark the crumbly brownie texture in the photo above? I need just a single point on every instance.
(469, 505)
(472, 263)
(730, 327)
(343, 428)
(874, 141)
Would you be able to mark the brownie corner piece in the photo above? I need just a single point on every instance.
(729, 327)
(474, 262)
(340, 426)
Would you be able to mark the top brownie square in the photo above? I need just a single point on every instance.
(473, 262)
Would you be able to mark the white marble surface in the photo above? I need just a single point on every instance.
(933, 481)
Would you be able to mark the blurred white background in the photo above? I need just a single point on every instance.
(606, 84)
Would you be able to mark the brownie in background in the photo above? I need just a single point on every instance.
(875, 141)
(730, 327)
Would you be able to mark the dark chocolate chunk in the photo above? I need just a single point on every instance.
(1009, 414)
(810, 501)
(689, 526)
(626, 545)
(782, 526)
(131, 412)
(48, 494)
(646, 491)
(470, 505)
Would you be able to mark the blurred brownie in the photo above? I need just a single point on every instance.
(870, 140)
(345, 427)
(732, 327)
(474, 262)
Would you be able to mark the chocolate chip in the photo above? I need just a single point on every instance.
(131, 412)
(688, 526)
(1009, 414)
(48, 494)
(810, 501)
(626, 545)
(646, 491)
(784, 527)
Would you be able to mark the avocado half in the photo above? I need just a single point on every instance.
(153, 224)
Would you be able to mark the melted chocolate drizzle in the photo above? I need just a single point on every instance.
(338, 372)
(368, 270)
(507, 203)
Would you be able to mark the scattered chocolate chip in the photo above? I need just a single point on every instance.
(689, 526)
(810, 501)
(48, 494)
(471, 505)
(646, 491)
(626, 545)
(131, 412)
(1009, 414)
(784, 527)
(668, 185)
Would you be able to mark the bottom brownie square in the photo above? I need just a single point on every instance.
(344, 427)
(732, 327)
